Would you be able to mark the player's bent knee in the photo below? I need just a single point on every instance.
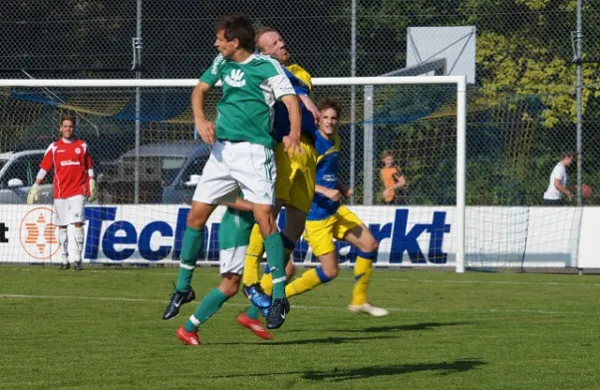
(331, 272)
(199, 214)
(371, 246)
(368, 243)
(230, 284)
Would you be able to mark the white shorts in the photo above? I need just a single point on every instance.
(231, 260)
(70, 210)
(235, 166)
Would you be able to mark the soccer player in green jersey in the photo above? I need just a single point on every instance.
(242, 153)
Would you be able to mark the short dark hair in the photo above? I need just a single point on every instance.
(328, 102)
(566, 154)
(387, 153)
(68, 118)
(237, 26)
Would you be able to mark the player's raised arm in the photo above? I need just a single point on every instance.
(303, 87)
(311, 107)
(291, 142)
(205, 128)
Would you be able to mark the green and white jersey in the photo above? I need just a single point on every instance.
(250, 90)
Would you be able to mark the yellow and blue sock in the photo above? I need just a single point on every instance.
(307, 281)
(190, 252)
(363, 268)
(254, 254)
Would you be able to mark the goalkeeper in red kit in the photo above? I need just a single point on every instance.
(73, 183)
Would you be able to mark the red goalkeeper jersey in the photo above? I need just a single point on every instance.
(71, 162)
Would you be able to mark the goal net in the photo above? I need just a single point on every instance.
(140, 134)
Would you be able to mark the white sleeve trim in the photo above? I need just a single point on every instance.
(91, 173)
(41, 174)
(281, 86)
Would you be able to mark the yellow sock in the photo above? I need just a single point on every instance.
(266, 282)
(363, 268)
(254, 254)
(307, 281)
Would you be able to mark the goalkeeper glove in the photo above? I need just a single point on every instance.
(93, 191)
(34, 194)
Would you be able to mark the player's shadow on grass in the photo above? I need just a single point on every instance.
(444, 368)
(335, 375)
(392, 328)
(324, 340)
(388, 328)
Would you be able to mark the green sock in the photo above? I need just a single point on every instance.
(253, 312)
(211, 303)
(275, 259)
(190, 252)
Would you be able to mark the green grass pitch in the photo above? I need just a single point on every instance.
(102, 329)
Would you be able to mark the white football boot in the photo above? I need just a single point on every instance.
(367, 308)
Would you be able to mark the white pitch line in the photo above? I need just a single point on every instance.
(387, 279)
(122, 299)
(505, 282)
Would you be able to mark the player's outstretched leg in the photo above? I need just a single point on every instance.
(315, 276)
(362, 238)
(190, 252)
(363, 268)
(210, 304)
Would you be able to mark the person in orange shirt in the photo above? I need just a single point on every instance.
(393, 179)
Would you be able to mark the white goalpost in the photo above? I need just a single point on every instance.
(146, 242)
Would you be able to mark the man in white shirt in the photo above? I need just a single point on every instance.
(558, 181)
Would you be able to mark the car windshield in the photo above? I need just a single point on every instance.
(151, 166)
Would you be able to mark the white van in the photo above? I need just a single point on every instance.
(17, 174)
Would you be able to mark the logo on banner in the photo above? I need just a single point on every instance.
(3, 231)
(412, 239)
(37, 233)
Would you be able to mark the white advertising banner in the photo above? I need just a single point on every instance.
(408, 236)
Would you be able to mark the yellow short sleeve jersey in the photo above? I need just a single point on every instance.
(303, 75)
